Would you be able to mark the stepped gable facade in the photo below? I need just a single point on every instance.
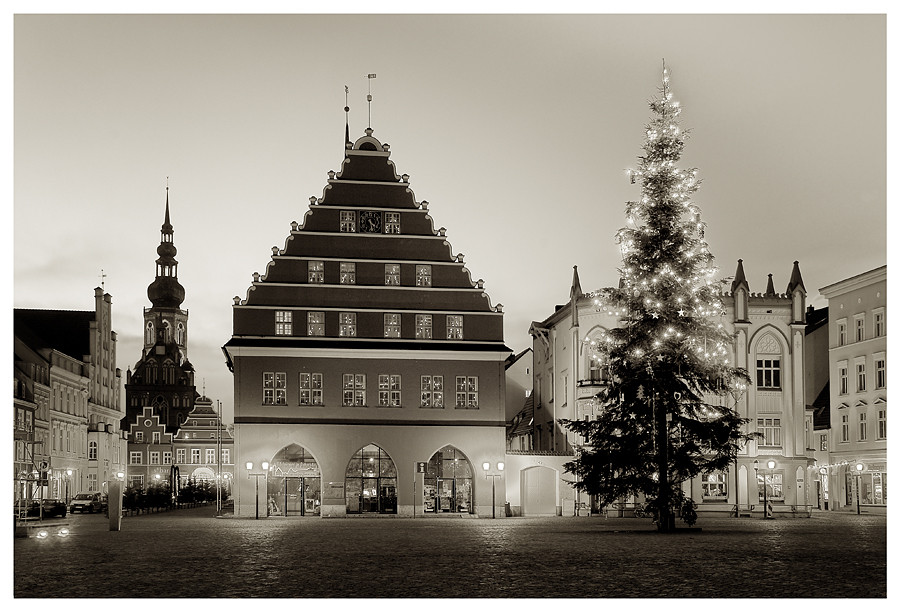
(368, 343)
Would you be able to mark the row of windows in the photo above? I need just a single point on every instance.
(354, 388)
(315, 325)
(859, 327)
(316, 273)
(165, 457)
(862, 427)
(844, 376)
(165, 334)
(370, 221)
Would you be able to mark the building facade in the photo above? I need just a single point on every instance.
(68, 360)
(163, 377)
(857, 341)
(769, 343)
(368, 364)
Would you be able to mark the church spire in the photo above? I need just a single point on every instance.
(166, 291)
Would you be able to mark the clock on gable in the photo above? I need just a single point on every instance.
(370, 221)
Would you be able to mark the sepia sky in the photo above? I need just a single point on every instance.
(517, 129)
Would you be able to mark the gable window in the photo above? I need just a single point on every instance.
(274, 388)
(423, 326)
(389, 390)
(310, 389)
(354, 390)
(432, 391)
(860, 328)
(391, 325)
(391, 274)
(348, 221)
(155, 437)
(316, 272)
(467, 392)
(348, 273)
(347, 327)
(138, 437)
(391, 223)
(770, 430)
(283, 322)
(454, 327)
(423, 275)
(315, 323)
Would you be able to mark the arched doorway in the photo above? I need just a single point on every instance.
(448, 482)
(539, 491)
(294, 483)
(371, 482)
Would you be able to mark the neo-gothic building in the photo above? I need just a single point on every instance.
(769, 343)
(368, 364)
(163, 378)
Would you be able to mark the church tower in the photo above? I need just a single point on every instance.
(163, 378)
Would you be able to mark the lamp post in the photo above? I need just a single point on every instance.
(771, 465)
(859, 470)
(265, 467)
(493, 476)
(68, 478)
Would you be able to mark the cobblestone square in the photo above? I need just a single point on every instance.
(191, 553)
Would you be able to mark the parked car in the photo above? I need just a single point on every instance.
(52, 508)
(87, 502)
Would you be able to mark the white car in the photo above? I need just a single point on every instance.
(86, 502)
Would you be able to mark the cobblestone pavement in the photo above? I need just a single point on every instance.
(190, 553)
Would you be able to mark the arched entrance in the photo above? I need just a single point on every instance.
(448, 482)
(371, 482)
(294, 483)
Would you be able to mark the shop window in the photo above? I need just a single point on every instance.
(389, 390)
(310, 389)
(371, 482)
(283, 322)
(773, 483)
(354, 390)
(432, 388)
(448, 486)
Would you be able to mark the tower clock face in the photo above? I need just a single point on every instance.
(370, 221)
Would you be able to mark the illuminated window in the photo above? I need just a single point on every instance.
(348, 221)
(432, 391)
(195, 455)
(714, 486)
(770, 430)
(274, 388)
(423, 275)
(179, 455)
(391, 274)
(348, 273)
(389, 390)
(316, 272)
(210, 455)
(774, 483)
(310, 389)
(283, 322)
(354, 390)
(315, 323)
(423, 326)
(454, 327)
(347, 325)
(391, 223)
(467, 392)
(391, 325)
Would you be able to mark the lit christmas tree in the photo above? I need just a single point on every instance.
(662, 419)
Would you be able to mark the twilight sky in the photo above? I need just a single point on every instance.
(516, 128)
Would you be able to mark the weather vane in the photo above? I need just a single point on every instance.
(369, 98)
(102, 279)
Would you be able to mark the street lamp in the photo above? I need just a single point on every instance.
(265, 467)
(766, 480)
(859, 470)
(68, 478)
(493, 476)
